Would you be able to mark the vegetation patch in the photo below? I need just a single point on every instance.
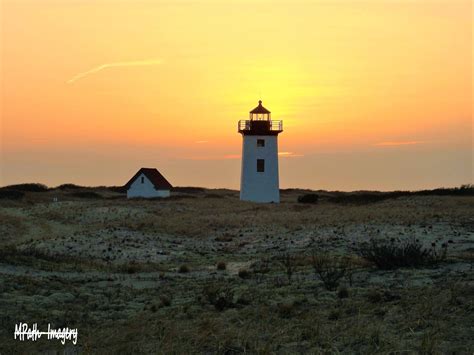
(220, 295)
(308, 198)
(367, 197)
(31, 187)
(244, 274)
(87, 195)
(330, 269)
(110, 269)
(395, 253)
(11, 194)
(189, 189)
(183, 269)
(221, 265)
(69, 187)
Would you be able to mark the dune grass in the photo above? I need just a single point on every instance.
(213, 274)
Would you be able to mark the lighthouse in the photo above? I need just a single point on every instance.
(259, 177)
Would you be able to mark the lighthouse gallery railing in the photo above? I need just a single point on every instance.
(246, 125)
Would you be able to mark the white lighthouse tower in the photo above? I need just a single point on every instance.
(259, 179)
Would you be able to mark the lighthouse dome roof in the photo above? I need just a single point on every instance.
(260, 108)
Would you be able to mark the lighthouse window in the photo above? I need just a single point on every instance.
(260, 165)
(260, 142)
(143, 180)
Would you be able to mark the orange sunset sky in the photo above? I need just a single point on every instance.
(373, 94)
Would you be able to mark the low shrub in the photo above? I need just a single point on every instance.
(69, 187)
(262, 266)
(329, 269)
(308, 198)
(119, 189)
(213, 195)
(244, 300)
(221, 296)
(189, 189)
(288, 261)
(130, 268)
(224, 238)
(335, 314)
(286, 309)
(31, 187)
(379, 296)
(221, 265)
(244, 274)
(183, 269)
(367, 197)
(395, 253)
(343, 292)
(463, 190)
(165, 301)
(361, 198)
(86, 194)
(11, 194)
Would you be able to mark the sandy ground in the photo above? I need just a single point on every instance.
(111, 268)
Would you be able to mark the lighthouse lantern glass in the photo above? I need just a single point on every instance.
(260, 116)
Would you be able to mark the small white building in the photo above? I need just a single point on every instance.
(148, 183)
(259, 178)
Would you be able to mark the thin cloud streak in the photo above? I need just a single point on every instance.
(236, 156)
(220, 157)
(232, 156)
(389, 144)
(289, 155)
(137, 63)
(239, 156)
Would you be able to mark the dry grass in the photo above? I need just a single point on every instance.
(111, 268)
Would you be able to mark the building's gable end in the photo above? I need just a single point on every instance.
(146, 182)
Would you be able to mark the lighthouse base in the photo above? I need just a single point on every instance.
(252, 197)
(259, 179)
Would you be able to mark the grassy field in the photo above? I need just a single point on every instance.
(203, 272)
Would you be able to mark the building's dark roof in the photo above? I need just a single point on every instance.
(260, 108)
(154, 176)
